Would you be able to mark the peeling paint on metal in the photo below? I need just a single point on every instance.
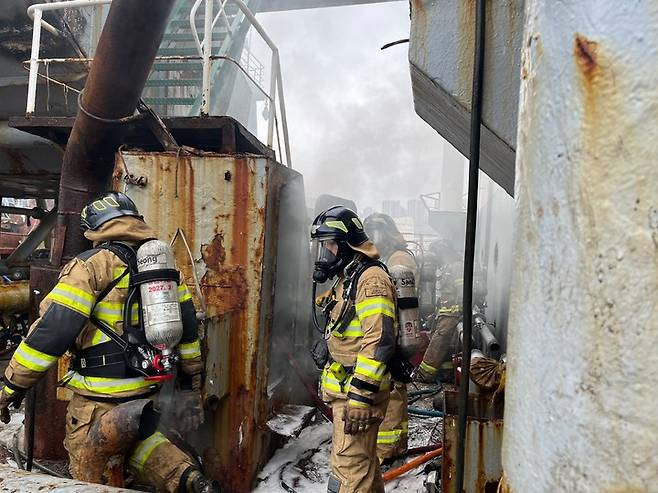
(224, 222)
(582, 360)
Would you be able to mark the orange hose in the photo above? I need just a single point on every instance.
(399, 471)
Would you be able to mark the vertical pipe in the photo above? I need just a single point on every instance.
(34, 64)
(207, 51)
(124, 56)
(469, 250)
(272, 113)
(282, 105)
(580, 399)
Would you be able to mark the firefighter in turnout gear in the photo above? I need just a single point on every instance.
(393, 433)
(361, 335)
(448, 313)
(84, 314)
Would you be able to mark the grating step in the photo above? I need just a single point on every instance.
(173, 82)
(170, 101)
(178, 66)
(220, 26)
(181, 51)
(179, 37)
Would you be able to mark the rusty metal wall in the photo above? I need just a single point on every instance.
(227, 206)
(484, 438)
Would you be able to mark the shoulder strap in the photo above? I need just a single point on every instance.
(360, 269)
(127, 256)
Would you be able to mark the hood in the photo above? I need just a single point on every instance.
(126, 228)
(367, 248)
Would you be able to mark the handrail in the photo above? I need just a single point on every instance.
(204, 48)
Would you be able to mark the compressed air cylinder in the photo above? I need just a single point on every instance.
(410, 338)
(163, 325)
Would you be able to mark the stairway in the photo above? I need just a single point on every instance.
(174, 88)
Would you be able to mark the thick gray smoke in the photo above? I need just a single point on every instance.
(353, 127)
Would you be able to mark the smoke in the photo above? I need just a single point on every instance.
(354, 131)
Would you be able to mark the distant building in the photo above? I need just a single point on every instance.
(393, 208)
(417, 210)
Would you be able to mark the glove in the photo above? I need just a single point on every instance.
(357, 419)
(9, 396)
(189, 411)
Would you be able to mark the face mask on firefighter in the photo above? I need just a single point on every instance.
(327, 261)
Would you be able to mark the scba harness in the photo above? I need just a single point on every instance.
(129, 354)
(399, 366)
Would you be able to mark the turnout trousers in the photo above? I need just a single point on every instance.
(155, 460)
(354, 463)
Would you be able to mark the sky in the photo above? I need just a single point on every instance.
(353, 128)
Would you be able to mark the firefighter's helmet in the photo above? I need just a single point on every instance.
(384, 232)
(342, 226)
(105, 207)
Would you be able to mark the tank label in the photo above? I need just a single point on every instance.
(162, 313)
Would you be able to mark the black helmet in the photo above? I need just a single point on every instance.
(106, 206)
(339, 223)
(342, 226)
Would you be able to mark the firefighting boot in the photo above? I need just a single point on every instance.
(193, 481)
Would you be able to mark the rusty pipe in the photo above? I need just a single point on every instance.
(124, 56)
(115, 434)
(15, 297)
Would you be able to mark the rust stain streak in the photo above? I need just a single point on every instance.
(586, 53)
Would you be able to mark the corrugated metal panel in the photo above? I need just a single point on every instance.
(484, 438)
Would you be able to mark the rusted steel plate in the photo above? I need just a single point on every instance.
(219, 203)
(484, 438)
(15, 480)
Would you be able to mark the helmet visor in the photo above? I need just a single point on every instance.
(326, 259)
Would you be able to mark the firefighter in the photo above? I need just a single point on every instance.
(91, 292)
(448, 312)
(361, 336)
(393, 433)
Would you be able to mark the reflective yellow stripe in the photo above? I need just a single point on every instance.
(7, 390)
(450, 309)
(71, 297)
(428, 368)
(370, 368)
(337, 225)
(111, 312)
(389, 437)
(102, 385)
(117, 272)
(99, 338)
(190, 350)
(375, 306)
(183, 293)
(353, 403)
(33, 359)
(144, 450)
(353, 330)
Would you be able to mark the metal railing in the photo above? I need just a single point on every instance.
(204, 48)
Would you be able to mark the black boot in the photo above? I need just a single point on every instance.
(193, 481)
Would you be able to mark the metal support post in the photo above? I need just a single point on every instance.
(34, 64)
(207, 52)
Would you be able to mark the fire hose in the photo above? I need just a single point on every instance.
(412, 464)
